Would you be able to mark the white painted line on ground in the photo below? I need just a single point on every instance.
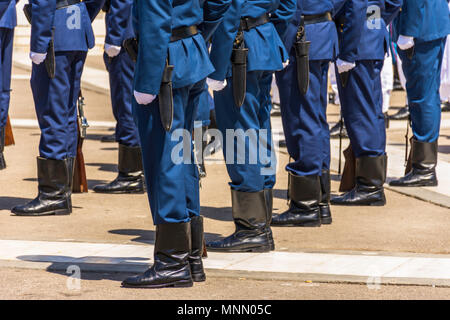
(332, 264)
(33, 123)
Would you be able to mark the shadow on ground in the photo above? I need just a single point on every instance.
(6, 203)
(148, 236)
(110, 167)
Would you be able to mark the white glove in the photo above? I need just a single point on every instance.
(143, 98)
(405, 42)
(111, 50)
(216, 85)
(344, 66)
(285, 64)
(37, 58)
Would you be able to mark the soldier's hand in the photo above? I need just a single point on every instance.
(405, 43)
(285, 64)
(111, 50)
(216, 85)
(144, 98)
(344, 66)
(37, 58)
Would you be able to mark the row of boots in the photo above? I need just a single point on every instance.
(55, 182)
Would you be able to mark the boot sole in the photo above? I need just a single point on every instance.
(374, 204)
(177, 284)
(61, 212)
(121, 192)
(199, 277)
(327, 220)
(306, 224)
(423, 184)
(256, 249)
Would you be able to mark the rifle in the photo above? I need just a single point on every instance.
(349, 174)
(9, 137)
(79, 177)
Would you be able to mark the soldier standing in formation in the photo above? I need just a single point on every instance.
(172, 34)
(241, 101)
(64, 25)
(363, 45)
(303, 112)
(421, 31)
(8, 21)
(120, 67)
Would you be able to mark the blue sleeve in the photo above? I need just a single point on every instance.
(93, 7)
(223, 38)
(411, 21)
(118, 20)
(283, 15)
(153, 26)
(355, 12)
(392, 9)
(43, 13)
(213, 12)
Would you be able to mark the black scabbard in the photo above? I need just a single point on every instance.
(344, 78)
(410, 52)
(131, 47)
(239, 69)
(50, 58)
(302, 56)
(166, 98)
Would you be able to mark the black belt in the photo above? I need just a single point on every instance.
(66, 3)
(183, 33)
(318, 18)
(248, 23)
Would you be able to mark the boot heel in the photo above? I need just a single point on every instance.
(379, 203)
(260, 249)
(199, 277)
(311, 224)
(183, 284)
(327, 220)
(63, 212)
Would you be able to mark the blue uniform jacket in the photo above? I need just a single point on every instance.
(153, 23)
(425, 20)
(266, 50)
(323, 36)
(8, 15)
(72, 25)
(119, 25)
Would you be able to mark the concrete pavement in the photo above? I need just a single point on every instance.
(405, 242)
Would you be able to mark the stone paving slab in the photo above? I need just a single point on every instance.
(363, 267)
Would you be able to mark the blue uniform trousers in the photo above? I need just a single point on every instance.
(423, 79)
(56, 104)
(173, 185)
(362, 108)
(121, 70)
(248, 170)
(6, 49)
(203, 109)
(304, 118)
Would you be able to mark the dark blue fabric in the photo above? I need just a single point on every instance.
(253, 115)
(266, 50)
(118, 21)
(6, 50)
(425, 20)
(72, 25)
(304, 119)
(121, 69)
(173, 188)
(203, 110)
(423, 79)
(153, 23)
(361, 106)
(56, 104)
(8, 15)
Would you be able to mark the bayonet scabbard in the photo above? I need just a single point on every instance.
(166, 98)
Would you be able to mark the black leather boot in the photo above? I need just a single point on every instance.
(401, 114)
(324, 205)
(195, 258)
(54, 197)
(171, 259)
(2, 148)
(131, 174)
(253, 234)
(423, 172)
(268, 194)
(370, 177)
(304, 197)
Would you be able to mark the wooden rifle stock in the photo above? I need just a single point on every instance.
(348, 178)
(80, 184)
(9, 137)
